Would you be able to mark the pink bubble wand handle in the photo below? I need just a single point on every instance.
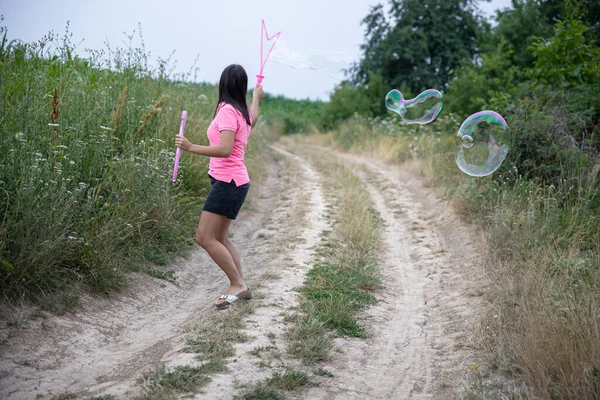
(263, 61)
(178, 151)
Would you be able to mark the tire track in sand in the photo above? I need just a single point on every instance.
(299, 227)
(418, 334)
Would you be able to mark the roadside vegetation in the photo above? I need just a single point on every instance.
(86, 157)
(539, 213)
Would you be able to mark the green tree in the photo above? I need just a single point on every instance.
(567, 59)
(492, 82)
(518, 25)
(362, 99)
(527, 19)
(421, 44)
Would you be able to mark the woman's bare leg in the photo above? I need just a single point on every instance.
(211, 225)
(223, 237)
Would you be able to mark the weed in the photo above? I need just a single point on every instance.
(323, 372)
(181, 379)
(64, 396)
(271, 388)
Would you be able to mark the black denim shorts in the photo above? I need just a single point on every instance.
(224, 198)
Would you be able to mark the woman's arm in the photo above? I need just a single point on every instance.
(221, 150)
(257, 95)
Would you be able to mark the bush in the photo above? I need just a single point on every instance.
(86, 154)
(347, 100)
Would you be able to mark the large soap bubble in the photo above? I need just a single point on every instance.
(330, 63)
(483, 145)
(423, 109)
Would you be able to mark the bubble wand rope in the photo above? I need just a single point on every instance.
(263, 61)
(178, 151)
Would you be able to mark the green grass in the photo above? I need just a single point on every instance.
(86, 157)
(336, 295)
(273, 388)
(289, 116)
(86, 148)
(164, 383)
(323, 372)
(64, 396)
(216, 337)
(261, 391)
(213, 341)
(308, 338)
(340, 285)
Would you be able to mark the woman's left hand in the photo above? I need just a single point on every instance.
(182, 143)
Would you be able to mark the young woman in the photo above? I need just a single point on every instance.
(228, 136)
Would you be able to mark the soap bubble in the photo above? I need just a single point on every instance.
(423, 109)
(330, 63)
(483, 148)
(467, 141)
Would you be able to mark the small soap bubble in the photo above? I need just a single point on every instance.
(467, 141)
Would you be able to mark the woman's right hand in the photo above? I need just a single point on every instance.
(258, 93)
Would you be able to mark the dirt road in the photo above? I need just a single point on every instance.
(419, 335)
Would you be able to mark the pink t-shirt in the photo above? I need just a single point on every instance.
(232, 167)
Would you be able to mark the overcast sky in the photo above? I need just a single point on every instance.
(220, 32)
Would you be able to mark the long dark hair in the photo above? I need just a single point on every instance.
(233, 87)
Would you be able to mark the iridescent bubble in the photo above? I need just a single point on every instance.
(330, 63)
(422, 110)
(483, 148)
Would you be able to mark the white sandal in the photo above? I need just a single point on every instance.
(230, 298)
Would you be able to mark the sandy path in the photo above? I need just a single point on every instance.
(107, 344)
(418, 334)
(417, 346)
(297, 228)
